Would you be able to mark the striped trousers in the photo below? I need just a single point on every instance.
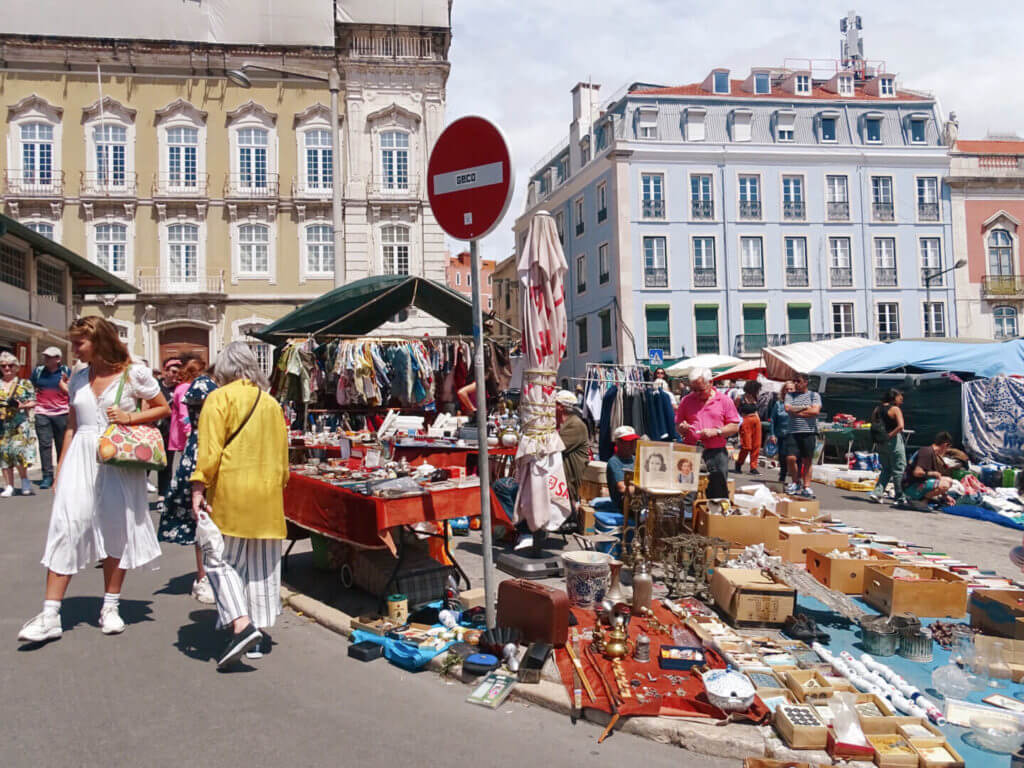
(246, 580)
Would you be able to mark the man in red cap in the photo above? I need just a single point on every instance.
(621, 461)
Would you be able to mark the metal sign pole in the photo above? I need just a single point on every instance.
(483, 465)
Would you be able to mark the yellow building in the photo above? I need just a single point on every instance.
(507, 307)
(215, 200)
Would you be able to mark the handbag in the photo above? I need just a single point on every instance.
(138, 446)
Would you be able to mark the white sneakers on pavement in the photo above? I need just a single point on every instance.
(7, 492)
(202, 591)
(111, 622)
(43, 627)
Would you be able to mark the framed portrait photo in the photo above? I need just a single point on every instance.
(685, 467)
(653, 465)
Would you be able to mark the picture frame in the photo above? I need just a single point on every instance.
(653, 465)
(686, 467)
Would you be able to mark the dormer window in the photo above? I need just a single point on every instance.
(828, 127)
(741, 124)
(695, 124)
(721, 82)
(785, 127)
(873, 130)
(762, 83)
(803, 85)
(845, 86)
(647, 123)
(917, 130)
(887, 87)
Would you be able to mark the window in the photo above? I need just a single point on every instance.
(888, 321)
(603, 269)
(252, 158)
(842, 319)
(837, 198)
(873, 130)
(934, 319)
(1005, 319)
(762, 83)
(885, 262)
(490, 279)
(931, 262)
(840, 266)
(721, 82)
(560, 226)
(469, 279)
(395, 250)
(655, 263)
(490, 303)
(917, 135)
(50, 281)
(701, 201)
(706, 325)
(581, 336)
(793, 205)
(508, 295)
(1000, 253)
(111, 247)
(704, 271)
(183, 254)
(584, 150)
(458, 278)
(647, 123)
(659, 333)
(37, 153)
(652, 186)
(602, 202)
(695, 123)
(319, 159)
(43, 228)
(12, 266)
(785, 126)
(845, 86)
(828, 129)
(803, 85)
(887, 87)
(254, 249)
(606, 328)
(796, 262)
(928, 198)
(182, 157)
(751, 263)
(578, 207)
(111, 142)
(394, 160)
(741, 124)
(581, 273)
(563, 170)
(320, 250)
(881, 198)
(750, 197)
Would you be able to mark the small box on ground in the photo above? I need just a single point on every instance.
(998, 612)
(748, 598)
(742, 530)
(920, 590)
(799, 509)
(842, 574)
(472, 598)
(795, 540)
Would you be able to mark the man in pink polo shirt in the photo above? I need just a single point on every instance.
(709, 417)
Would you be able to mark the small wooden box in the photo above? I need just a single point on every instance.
(935, 592)
(905, 758)
(842, 574)
(883, 708)
(760, 762)
(808, 685)
(913, 733)
(795, 540)
(800, 726)
(928, 758)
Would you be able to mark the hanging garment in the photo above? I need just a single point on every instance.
(605, 446)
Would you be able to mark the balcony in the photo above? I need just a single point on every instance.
(249, 186)
(885, 277)
(838, 211)
(937, 278)
(841, 277)
(656, 277)
(750, 209)
(888, 335)
(664, 343)
(177, 186)
(705, 277)
(928, 211)
(751, 344)
(796, 277)
(33, 184)
(883, 212)
(707, 344)
(393, 188)
(303, 190)
(387, 45)
(1002, 287)
(152, 281)
(703, 209)
(602, 214)
(108, 185)
(938, 333)
(752, 277)
(794, 210)
(654, 209)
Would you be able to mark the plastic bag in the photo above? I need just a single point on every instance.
(208, 535)
(846, 722)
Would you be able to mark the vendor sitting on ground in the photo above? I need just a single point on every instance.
(575, 438)
(621, 461)
(927, 477)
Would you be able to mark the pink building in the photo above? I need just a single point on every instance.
(458, 276)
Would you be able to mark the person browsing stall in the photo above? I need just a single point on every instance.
(709, 417)
(891, 451)
(803, 407)
(575, 438)
(52, 405)
(621, 462)
(927, 477)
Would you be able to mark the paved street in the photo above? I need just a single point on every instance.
(153, 697)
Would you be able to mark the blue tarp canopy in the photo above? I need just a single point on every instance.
(982, 360)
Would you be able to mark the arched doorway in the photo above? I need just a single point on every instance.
(185, 340)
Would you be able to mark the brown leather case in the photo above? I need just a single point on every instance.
(539, 612)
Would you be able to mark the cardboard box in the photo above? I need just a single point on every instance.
(935, 593)
(799, 735)
(798, 509)
(741, 530)
(587, 520)
(906, 758)
(793, 546)
(748, 598)
(925, 752)
(472, 598)
(841, 574)
(998, 612)
(808, 686)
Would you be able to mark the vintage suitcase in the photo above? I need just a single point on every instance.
(539, 612)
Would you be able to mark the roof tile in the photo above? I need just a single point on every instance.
(736, 91)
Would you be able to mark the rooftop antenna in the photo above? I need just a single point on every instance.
(851, 49)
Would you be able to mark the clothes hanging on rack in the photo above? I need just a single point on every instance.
(296, 376)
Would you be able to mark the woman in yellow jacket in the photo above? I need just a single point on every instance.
(241, 472)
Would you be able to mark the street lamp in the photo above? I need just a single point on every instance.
(240, 78)
(928, 289)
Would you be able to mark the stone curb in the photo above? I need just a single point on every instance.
(728, 741)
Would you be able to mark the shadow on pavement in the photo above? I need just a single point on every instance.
(179, 585)
(200, 640)
(326, 587)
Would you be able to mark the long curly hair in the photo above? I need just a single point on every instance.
(107, 347)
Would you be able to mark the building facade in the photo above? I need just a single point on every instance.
(986, 181)
(458, 275)
(215, 200)
(507, 307)
(722, 216)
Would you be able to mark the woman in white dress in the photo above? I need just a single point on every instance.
(100, 511)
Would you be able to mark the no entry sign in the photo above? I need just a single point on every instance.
(469, 178)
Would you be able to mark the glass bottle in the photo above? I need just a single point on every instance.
(962, 648)
(643, 587)
(998, 669)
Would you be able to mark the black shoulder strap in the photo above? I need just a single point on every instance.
(259, 393)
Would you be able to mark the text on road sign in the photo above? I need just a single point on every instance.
(468, 178)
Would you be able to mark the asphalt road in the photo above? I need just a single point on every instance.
(152, 696)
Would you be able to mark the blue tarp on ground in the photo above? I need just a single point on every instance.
(982, 360)
(983, 513)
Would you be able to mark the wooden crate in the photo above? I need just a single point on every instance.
(935, 593)
(842, 574)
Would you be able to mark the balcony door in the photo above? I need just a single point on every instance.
(798, 320)
(182, 257)
(755, 329)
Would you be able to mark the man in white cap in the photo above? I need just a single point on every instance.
(51, 382)
(621, 461)
(575, 437)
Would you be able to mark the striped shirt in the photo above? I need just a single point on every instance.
(798, 424)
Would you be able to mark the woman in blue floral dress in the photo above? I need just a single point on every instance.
(176, 523)
(17, 438)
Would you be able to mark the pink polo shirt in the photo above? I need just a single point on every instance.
(713, 413)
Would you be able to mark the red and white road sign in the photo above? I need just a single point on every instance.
(469, 178)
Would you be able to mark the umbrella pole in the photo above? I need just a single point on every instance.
(484, 468)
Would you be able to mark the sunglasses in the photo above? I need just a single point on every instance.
(8, 365)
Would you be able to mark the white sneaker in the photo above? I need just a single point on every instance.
(525, 542)
(7, 492)
(111, 622)
(203, 592)
(41, 628)
(150, 487)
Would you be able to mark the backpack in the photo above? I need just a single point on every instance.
(879, 434)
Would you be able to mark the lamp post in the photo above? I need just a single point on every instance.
(928, 290)
(333, 79)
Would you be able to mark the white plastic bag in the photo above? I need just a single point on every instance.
(208, 535)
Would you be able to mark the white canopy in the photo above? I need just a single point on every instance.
(784, 362)
(714, 362)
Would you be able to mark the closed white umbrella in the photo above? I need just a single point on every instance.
(543, 499)
(714, 362)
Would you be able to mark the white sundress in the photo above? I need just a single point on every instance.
(100, 510)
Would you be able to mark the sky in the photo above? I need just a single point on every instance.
(515, 61)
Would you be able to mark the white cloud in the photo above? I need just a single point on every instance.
(515, 62)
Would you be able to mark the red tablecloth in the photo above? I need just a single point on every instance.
(435, 455)
(366, 520)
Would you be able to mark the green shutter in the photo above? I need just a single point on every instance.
(754, 323)
(657, 321)
(706, 319)
(799, 317)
